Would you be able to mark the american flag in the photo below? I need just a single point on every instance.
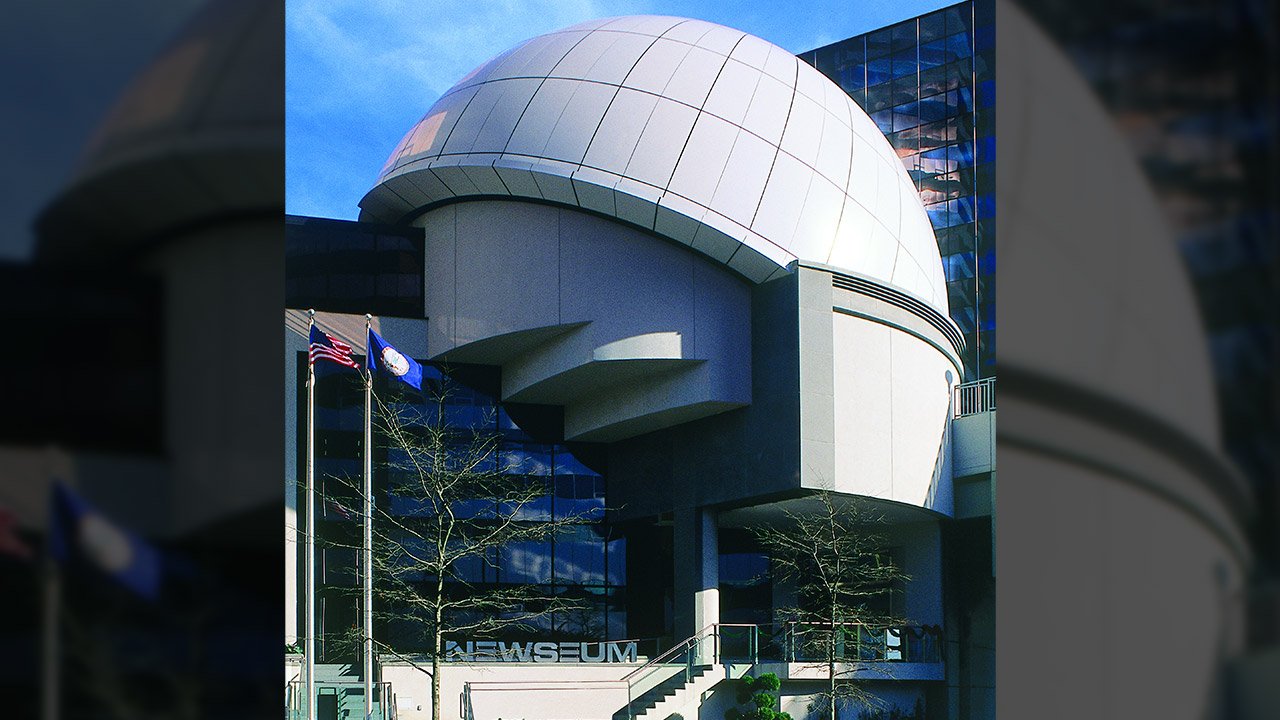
(10, 542)
(326, 347)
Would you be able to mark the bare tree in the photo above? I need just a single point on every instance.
(463, 503)
(837, 560)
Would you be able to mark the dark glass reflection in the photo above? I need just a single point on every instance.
(581, 561)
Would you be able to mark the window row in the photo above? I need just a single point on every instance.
(570, 555)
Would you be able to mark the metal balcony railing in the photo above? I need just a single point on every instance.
(975, 397)
(739, 644)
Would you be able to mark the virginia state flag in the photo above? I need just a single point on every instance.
(77, 531)
(385, 358)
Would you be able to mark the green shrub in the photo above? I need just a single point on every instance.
(759, 694)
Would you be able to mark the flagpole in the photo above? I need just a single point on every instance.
(50, 670)
(367, 546)
(309, 648)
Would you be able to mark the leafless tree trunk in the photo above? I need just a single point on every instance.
(444, 468)
(837, 560)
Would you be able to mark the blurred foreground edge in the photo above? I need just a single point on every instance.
(138, 386)
(1136, 546)
(1136, 540)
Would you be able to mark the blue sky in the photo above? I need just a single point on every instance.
(361, 72)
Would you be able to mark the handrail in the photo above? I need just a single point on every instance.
(670, 653)
(688, 647)
(886, 644)
(295, 702)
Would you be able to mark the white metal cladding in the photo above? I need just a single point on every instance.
(703, 134)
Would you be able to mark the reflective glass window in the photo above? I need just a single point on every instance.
(883, 120)
(350, 285)
(939, 217)
(959, 266)
(616, 610)
(526, 458)
(905, 90)
(579, 555)
(958, 46)
(468, 509)
(409, 505)
(987, 204)
(473, 567)
(935, 161)
(936, 135)
(410, 569)
(616, 558)
(958, 19)
(959, 295)
(579, 496)
(586, 621)
(933, 27)
(984, 38)
(878, 43)
(851, 78)
(903, 36)
(906, 116)
(879, 70)
(339, 566)
(527, 561)
(537, 508)
(935, 80)
(905, 64)
(879, 97)
(964, 315)
(987, 94)
(578, 489)
(933, 109)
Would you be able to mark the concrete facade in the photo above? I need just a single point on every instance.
(726, 366)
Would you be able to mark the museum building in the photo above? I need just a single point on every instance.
(690, 284)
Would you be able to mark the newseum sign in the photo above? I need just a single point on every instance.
(539, 652)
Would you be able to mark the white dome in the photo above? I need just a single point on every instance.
(703, 134)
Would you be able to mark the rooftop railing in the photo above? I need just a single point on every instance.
(974, 397)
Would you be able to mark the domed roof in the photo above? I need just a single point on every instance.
(703, 134)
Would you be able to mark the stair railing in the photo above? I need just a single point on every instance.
(685, 657)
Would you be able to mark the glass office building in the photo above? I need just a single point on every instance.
(929, 84)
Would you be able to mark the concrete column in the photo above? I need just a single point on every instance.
(697, 571)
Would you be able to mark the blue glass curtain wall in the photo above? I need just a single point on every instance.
(585, 561)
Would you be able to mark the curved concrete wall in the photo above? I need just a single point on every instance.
(875, 399)
(630, 333)
(892, 406)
